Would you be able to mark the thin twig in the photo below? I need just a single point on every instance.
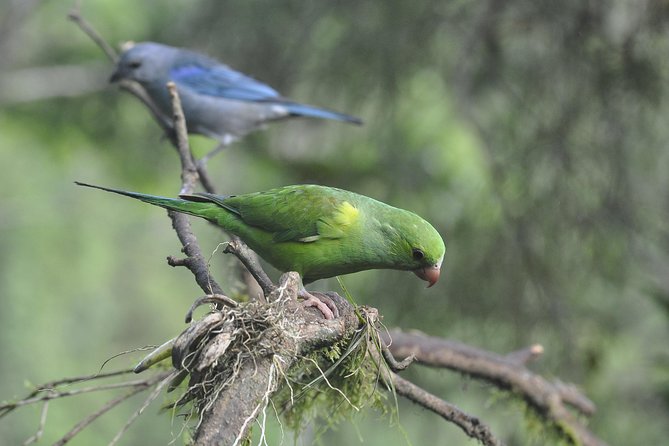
(472, 426)
(250, 261)
(75, 16)
(218, 299)
(107, 407)
(189, 177)
(6, 408)
(40, 428)
(51, 394)
(79, 379)
(177, 131)
(195, 261)
(152, 396)
(189, 174)
(394, 364)
(205, 181)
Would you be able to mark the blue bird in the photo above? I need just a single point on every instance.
(217, 101)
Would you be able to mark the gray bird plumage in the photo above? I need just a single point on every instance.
(218, 101)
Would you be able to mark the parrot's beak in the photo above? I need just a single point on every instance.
(429, 274)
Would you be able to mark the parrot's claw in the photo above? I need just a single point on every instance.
(320, 301)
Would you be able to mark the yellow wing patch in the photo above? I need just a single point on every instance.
(338, 223)
(346, 214)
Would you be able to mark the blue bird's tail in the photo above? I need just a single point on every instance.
(309, 111)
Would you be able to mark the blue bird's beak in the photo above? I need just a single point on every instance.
(115, 77)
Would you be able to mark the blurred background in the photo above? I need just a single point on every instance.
(532, 134)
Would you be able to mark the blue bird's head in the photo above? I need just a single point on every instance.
(145, 62)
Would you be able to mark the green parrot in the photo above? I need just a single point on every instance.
(317, 231)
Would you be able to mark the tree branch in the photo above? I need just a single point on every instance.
(387, 365)
(110, 405)
(194, 261)
(76, 17)
(548, 398)
(472, 426)
(189, 174)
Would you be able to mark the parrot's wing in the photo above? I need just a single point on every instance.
(221, 81)
(292, 214)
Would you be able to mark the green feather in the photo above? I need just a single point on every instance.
(315, 230)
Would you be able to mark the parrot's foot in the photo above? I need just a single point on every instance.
(320, 301)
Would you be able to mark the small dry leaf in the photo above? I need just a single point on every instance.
(214, 350)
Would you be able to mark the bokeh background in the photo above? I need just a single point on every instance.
(532, 134)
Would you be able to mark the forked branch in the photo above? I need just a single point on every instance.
(549, 398)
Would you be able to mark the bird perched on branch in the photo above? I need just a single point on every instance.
(217, 101)
(317, 231)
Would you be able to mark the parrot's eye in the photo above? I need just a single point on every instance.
(418, 254)
(135, 64)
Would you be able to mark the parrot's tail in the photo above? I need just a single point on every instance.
(176, 204)
(310, 111)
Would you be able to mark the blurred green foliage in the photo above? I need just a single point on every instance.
(532, 134)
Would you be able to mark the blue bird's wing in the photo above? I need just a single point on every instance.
(221, 81)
